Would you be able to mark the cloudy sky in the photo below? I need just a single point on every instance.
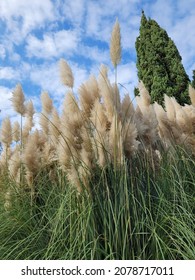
(35, 34)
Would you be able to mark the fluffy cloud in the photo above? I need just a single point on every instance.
(184, 37)
(46, 76)
(126, 78)
(53, 44)
(74, 11)
(2, 51)
(101, 15)
(96, 54)
(22, 16)
(50, 78)
(8, 73)
(5, 107)
(50, 81)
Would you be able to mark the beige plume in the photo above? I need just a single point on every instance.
(115, 44)
(192, 94)
(6, 132)
(88, 93)
(170, 108)
(31, 159)
(144, 99)
(66, 74)
(16, 131)
(127, 107)
(47, 103)
(15, 164)
(54, 126)
(30, 109)
(18, 100)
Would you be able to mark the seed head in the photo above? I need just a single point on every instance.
(66, 74)
(115, 44)
(18, 100)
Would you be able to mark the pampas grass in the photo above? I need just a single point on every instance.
(102, 176)
(88, 93)
(6, 132)
(31, 159)
(115, 44)
(18, 100)
(16, 131)
(98, 127)
(54, 127)
(66, 74)
(192, 95)
(15, 164)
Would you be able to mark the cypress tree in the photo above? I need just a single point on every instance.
(193, 79)
(159, 63)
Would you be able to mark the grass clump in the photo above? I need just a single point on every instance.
(129, 214)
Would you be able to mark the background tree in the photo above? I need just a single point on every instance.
(159, 63)
(193, 79)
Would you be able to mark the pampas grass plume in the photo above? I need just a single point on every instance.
(192, 95)
(54, 125)
(18, 100)
(15, 164)
(127, 107)
(88, 92)
(44, 123)
(170, 108)
(66, 74)
(47, 103)
(144, 99)
(70, 106)
(129, 135)
(31, 155)
(6, 132)
(27, 128)
(30, 109)
(115, 44)
(64, 153)
(16, 131)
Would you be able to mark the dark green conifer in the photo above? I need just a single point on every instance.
(159, 63)
(193, 79)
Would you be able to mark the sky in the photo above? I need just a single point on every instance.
(35, 35)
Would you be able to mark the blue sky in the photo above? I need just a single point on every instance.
(35, 34)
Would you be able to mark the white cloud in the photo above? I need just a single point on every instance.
(127, 74)
(126, 78)
(101, 15)
(20, 18)
(74, 11)
(23, 16)
(185, 8)
(53, 44)
(5, 107)
(8, 73)
(48, 78)
(184, 37)
(162, 12)
(95, 54)
(2, 52)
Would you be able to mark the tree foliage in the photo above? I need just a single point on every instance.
(193, 79)
(159, 63)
